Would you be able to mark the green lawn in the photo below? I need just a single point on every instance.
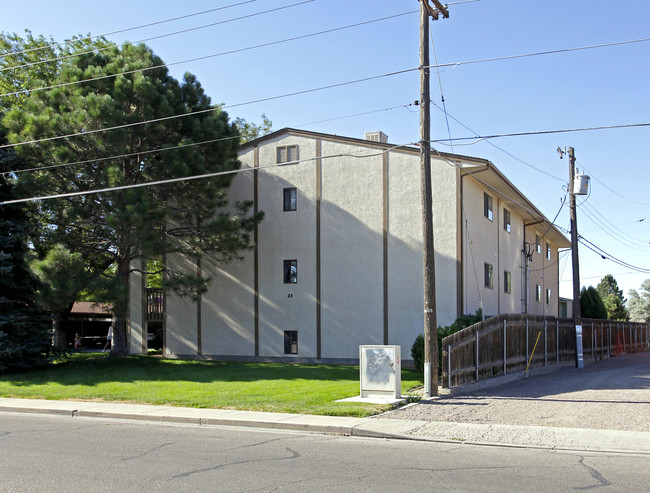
(306, 389)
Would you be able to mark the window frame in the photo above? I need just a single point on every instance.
(548, 251)
(287, 276)
(488, 275)
(290, 205)
(507, 282)
(538, 243)
(507, 221)
(538, 293)
(283, 154)
(291, 342)
(548, 296)
(488, 206)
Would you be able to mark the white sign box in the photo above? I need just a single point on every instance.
(380, 372)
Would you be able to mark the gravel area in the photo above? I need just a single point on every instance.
(612, 394)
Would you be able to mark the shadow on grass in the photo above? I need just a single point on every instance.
(92, 370)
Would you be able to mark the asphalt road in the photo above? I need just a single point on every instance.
(53, 454)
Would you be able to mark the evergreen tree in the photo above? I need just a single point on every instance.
(612, 298)
(639, 303)
(591, 305)
(114, 230)
(24, 328)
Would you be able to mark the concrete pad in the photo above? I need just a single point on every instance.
(374, 400)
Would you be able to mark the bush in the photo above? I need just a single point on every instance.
(417, 350)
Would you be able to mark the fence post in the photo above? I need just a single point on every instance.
(476, 369)
(545, 342)
(505, 351)
(593, 342)
(609, 340)
(527, 351)
(449, 366)
(557, 342)
(624, 345)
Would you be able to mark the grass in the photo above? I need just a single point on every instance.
(274, 387)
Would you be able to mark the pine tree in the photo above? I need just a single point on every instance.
(24, 328)
(591, 305)
(612, 298)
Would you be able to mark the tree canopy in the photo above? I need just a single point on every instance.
(639, 303)
(186, 137)
(613, 298)
(591, 305)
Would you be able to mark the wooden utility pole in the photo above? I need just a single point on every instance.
(429, 272)
(577, 316)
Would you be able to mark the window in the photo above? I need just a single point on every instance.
(538, 244)
(548, 251)
(287, 154)
(488, 275)
(538, 293)
(487, 206)
(507, 282)
(548, 296)
(290, 342)
(290, 271)
(506, 220)
(289, 199)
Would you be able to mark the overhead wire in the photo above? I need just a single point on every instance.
(205, 57)
(611, 189)
(71, 55)
(141, 26)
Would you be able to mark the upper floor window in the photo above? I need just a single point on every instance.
(506, 220)
(287, 154)
(538, 293)
(548, 251)
(548, 296)
(487, 206)
(289, 199)
(538, 244)
(290, 271)
(507, 282)
(487, 269)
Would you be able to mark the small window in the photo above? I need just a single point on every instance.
(548, 251)
(538, 293)
(488, 275)
(289, 199)
(548, 296)
(487, 206)
(290, 271)
(507, 282)
(538, 244)
(290, 342)
(287, 154)
(506, 220)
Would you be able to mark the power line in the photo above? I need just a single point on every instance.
(611, 189)
(171, 117)
(541, 132)
(606, 256)
(141, 26)
(159, 36)
(195, 177)
(205, 57)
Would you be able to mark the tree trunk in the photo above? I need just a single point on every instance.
(119, 342)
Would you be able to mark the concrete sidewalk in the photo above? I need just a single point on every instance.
(503, 435)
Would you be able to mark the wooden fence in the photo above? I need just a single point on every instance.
(506, 343)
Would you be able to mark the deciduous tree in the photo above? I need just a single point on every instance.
(639, 303)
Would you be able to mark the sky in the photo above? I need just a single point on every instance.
(596, 87)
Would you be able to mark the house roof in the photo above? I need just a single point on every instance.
(90, 308)
(479, 169)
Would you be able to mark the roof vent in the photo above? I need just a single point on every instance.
(377, 137)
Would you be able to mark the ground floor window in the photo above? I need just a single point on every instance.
(290, 342)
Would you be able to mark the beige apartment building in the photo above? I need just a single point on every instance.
(338, 261)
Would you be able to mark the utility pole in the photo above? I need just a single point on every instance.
(429, 272)
(577, 316)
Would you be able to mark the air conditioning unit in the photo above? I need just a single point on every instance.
(377, 137)
(380, 372)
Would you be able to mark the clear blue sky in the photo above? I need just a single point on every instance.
(597, 87)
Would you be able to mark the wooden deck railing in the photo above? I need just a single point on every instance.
(506, 343)
(155, 304)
